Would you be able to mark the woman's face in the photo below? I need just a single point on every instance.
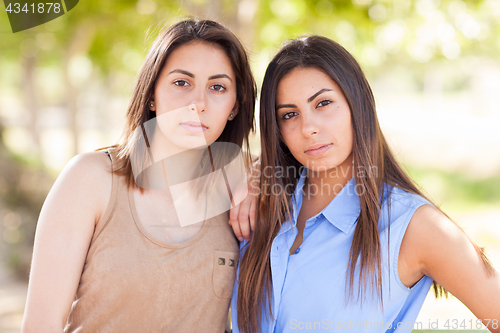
(198, 74)
(314, 119)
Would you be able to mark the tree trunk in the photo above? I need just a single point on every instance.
(31, 101)
(79, 44)
(238, 17)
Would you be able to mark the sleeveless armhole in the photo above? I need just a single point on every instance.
(101, 224)
(408, 216)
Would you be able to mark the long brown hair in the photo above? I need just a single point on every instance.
(369, 149)
(178, 34)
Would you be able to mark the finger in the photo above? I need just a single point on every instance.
(237, 231)
(243, 217)
(233, 214)
(233, 222)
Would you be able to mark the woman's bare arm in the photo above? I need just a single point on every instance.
(65, 227)
(435, 246)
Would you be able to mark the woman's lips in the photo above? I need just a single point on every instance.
(194, 127)
(318, 149)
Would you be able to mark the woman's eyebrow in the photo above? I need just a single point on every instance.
(220, 76)
(310, 99)
(213, 77)
(285, 106)
(182, 72)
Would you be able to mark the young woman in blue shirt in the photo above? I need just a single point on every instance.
(343, 238)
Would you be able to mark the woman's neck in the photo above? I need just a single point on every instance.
(179, 164)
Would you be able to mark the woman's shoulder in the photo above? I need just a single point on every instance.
(94, 163)
(91, 168)
(90, 174)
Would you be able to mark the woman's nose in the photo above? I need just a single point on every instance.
(199, 100)
(309, 125)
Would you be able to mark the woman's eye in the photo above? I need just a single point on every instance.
(324, 102)
(218, 87)
(180, 83)
(289, 115)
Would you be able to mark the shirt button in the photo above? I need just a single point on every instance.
(297, 251)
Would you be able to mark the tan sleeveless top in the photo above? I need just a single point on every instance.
(132, 282)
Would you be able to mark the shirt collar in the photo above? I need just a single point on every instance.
(342, 212)
(296, 203)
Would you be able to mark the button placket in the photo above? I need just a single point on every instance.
(278, 270)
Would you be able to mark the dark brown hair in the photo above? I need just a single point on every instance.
(178, 34)
(369, 149)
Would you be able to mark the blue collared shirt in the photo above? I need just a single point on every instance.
(309, 287)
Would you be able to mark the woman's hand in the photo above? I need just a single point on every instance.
(242, 217)
(64, 231)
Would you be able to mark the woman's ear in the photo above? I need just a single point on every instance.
(151, 104)
(234, 111)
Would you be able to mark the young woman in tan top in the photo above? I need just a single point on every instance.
(113, 249)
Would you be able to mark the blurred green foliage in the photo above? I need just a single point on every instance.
(458, 192)
(379, 33)
(23, 188)
(103, 43)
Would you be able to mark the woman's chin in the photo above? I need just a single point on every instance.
(188, 142)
